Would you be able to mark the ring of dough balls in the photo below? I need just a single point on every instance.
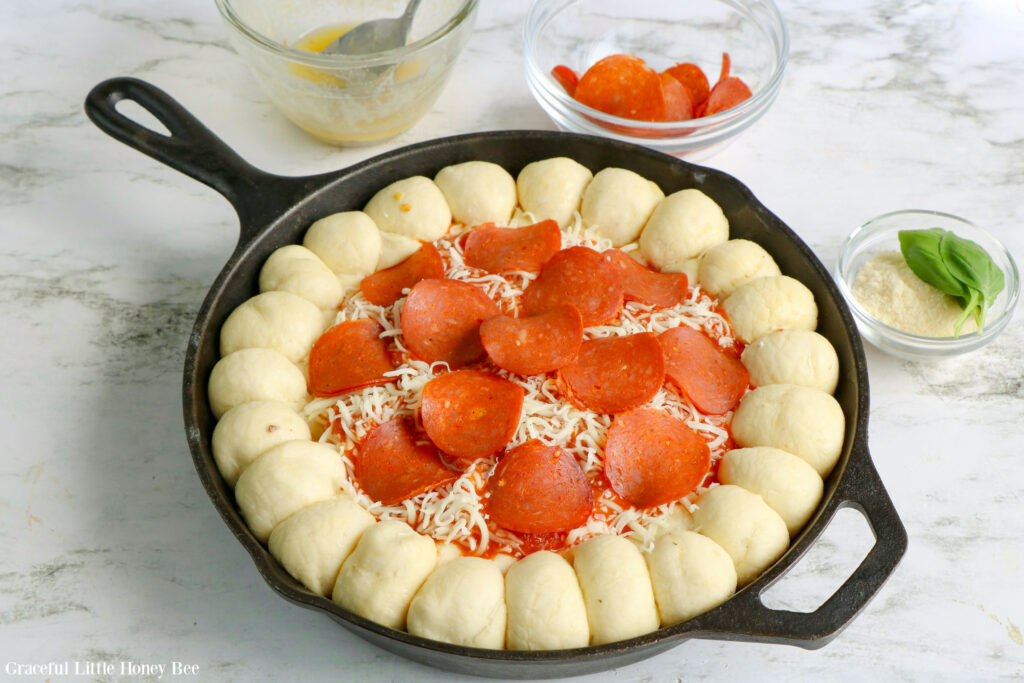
(414, 207)
(478, 192)
(294, 268)
(249, 430)
(287, 486)
(771, 303)
(690, 574)
(805, 422)
(312, 543)
(348, 242)
(545, 604)
(381, 576)
(682, 226)
(617, 204)
(285, 479)
(745, 526)
(462, 603)
(281, 321)
(552, 188)
(616, 587)
(727, 266)
(787, 483)
(801, 357)
(254, 375)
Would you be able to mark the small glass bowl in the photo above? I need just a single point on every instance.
(578, 33)
(880, 234)
(348, 100)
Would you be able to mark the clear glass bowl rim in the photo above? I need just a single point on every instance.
(336, 61)
(543, 11)
(914, 343)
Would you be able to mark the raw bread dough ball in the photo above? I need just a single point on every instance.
(690, 266)
(771, 303)
(788, 484)
(249, 430)
(296, 269)
(414, 207)
(348, 242)
(254, 375)
(387, 567)
(285, 479)
(729, 265)
(806, 422)
(682, 226)
(553, 188)
(463, 603)
(273, 320)
(741, 522)
(504, 562)
(691, 574)
(617, 203)
(678, 519)
(616, 588)
(394, 249)
(478, 192)
(350, 282)
(312, 543)
(801, 357)
(545, 604)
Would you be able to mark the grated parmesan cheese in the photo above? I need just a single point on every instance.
(455, 513)
(889, 290)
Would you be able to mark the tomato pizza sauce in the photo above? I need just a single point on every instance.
(508, 390)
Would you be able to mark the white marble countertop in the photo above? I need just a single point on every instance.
(111, 550)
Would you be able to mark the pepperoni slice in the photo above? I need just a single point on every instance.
(651, 458)
(711, 378)
(645, 285)
(441, 321)
(350, 355)
(726, 94)
(384, 287)
(678, 105)
(726, 67)
(498, 250)
(577, 276)
(623, 85)
(535, 344)
(693, 79)
(615, 374)
(470, 414)
(538, 489)
(566, 77)
(392, 465)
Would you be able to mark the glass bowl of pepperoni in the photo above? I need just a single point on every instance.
(682, 78)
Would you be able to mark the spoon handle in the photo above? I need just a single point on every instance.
(408, 14)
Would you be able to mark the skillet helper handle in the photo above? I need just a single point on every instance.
(746, 618)
(191, 148)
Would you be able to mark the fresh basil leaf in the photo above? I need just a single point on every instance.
(921, 251)
(972, 265)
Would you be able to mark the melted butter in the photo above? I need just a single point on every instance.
(388, 124)
(315, 41)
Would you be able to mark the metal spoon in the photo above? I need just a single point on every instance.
(377, 35)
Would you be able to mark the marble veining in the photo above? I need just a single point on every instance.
(112, 553)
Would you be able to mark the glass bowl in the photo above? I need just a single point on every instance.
(880, 234)
(348, 100)
(578, 33)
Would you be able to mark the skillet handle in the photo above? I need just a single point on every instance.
(745, 618)
(194, 150)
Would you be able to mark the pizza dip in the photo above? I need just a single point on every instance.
(541, 412)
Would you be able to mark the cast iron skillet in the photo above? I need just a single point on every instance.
(276, 210)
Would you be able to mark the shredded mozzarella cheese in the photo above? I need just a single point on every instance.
(454, 513)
